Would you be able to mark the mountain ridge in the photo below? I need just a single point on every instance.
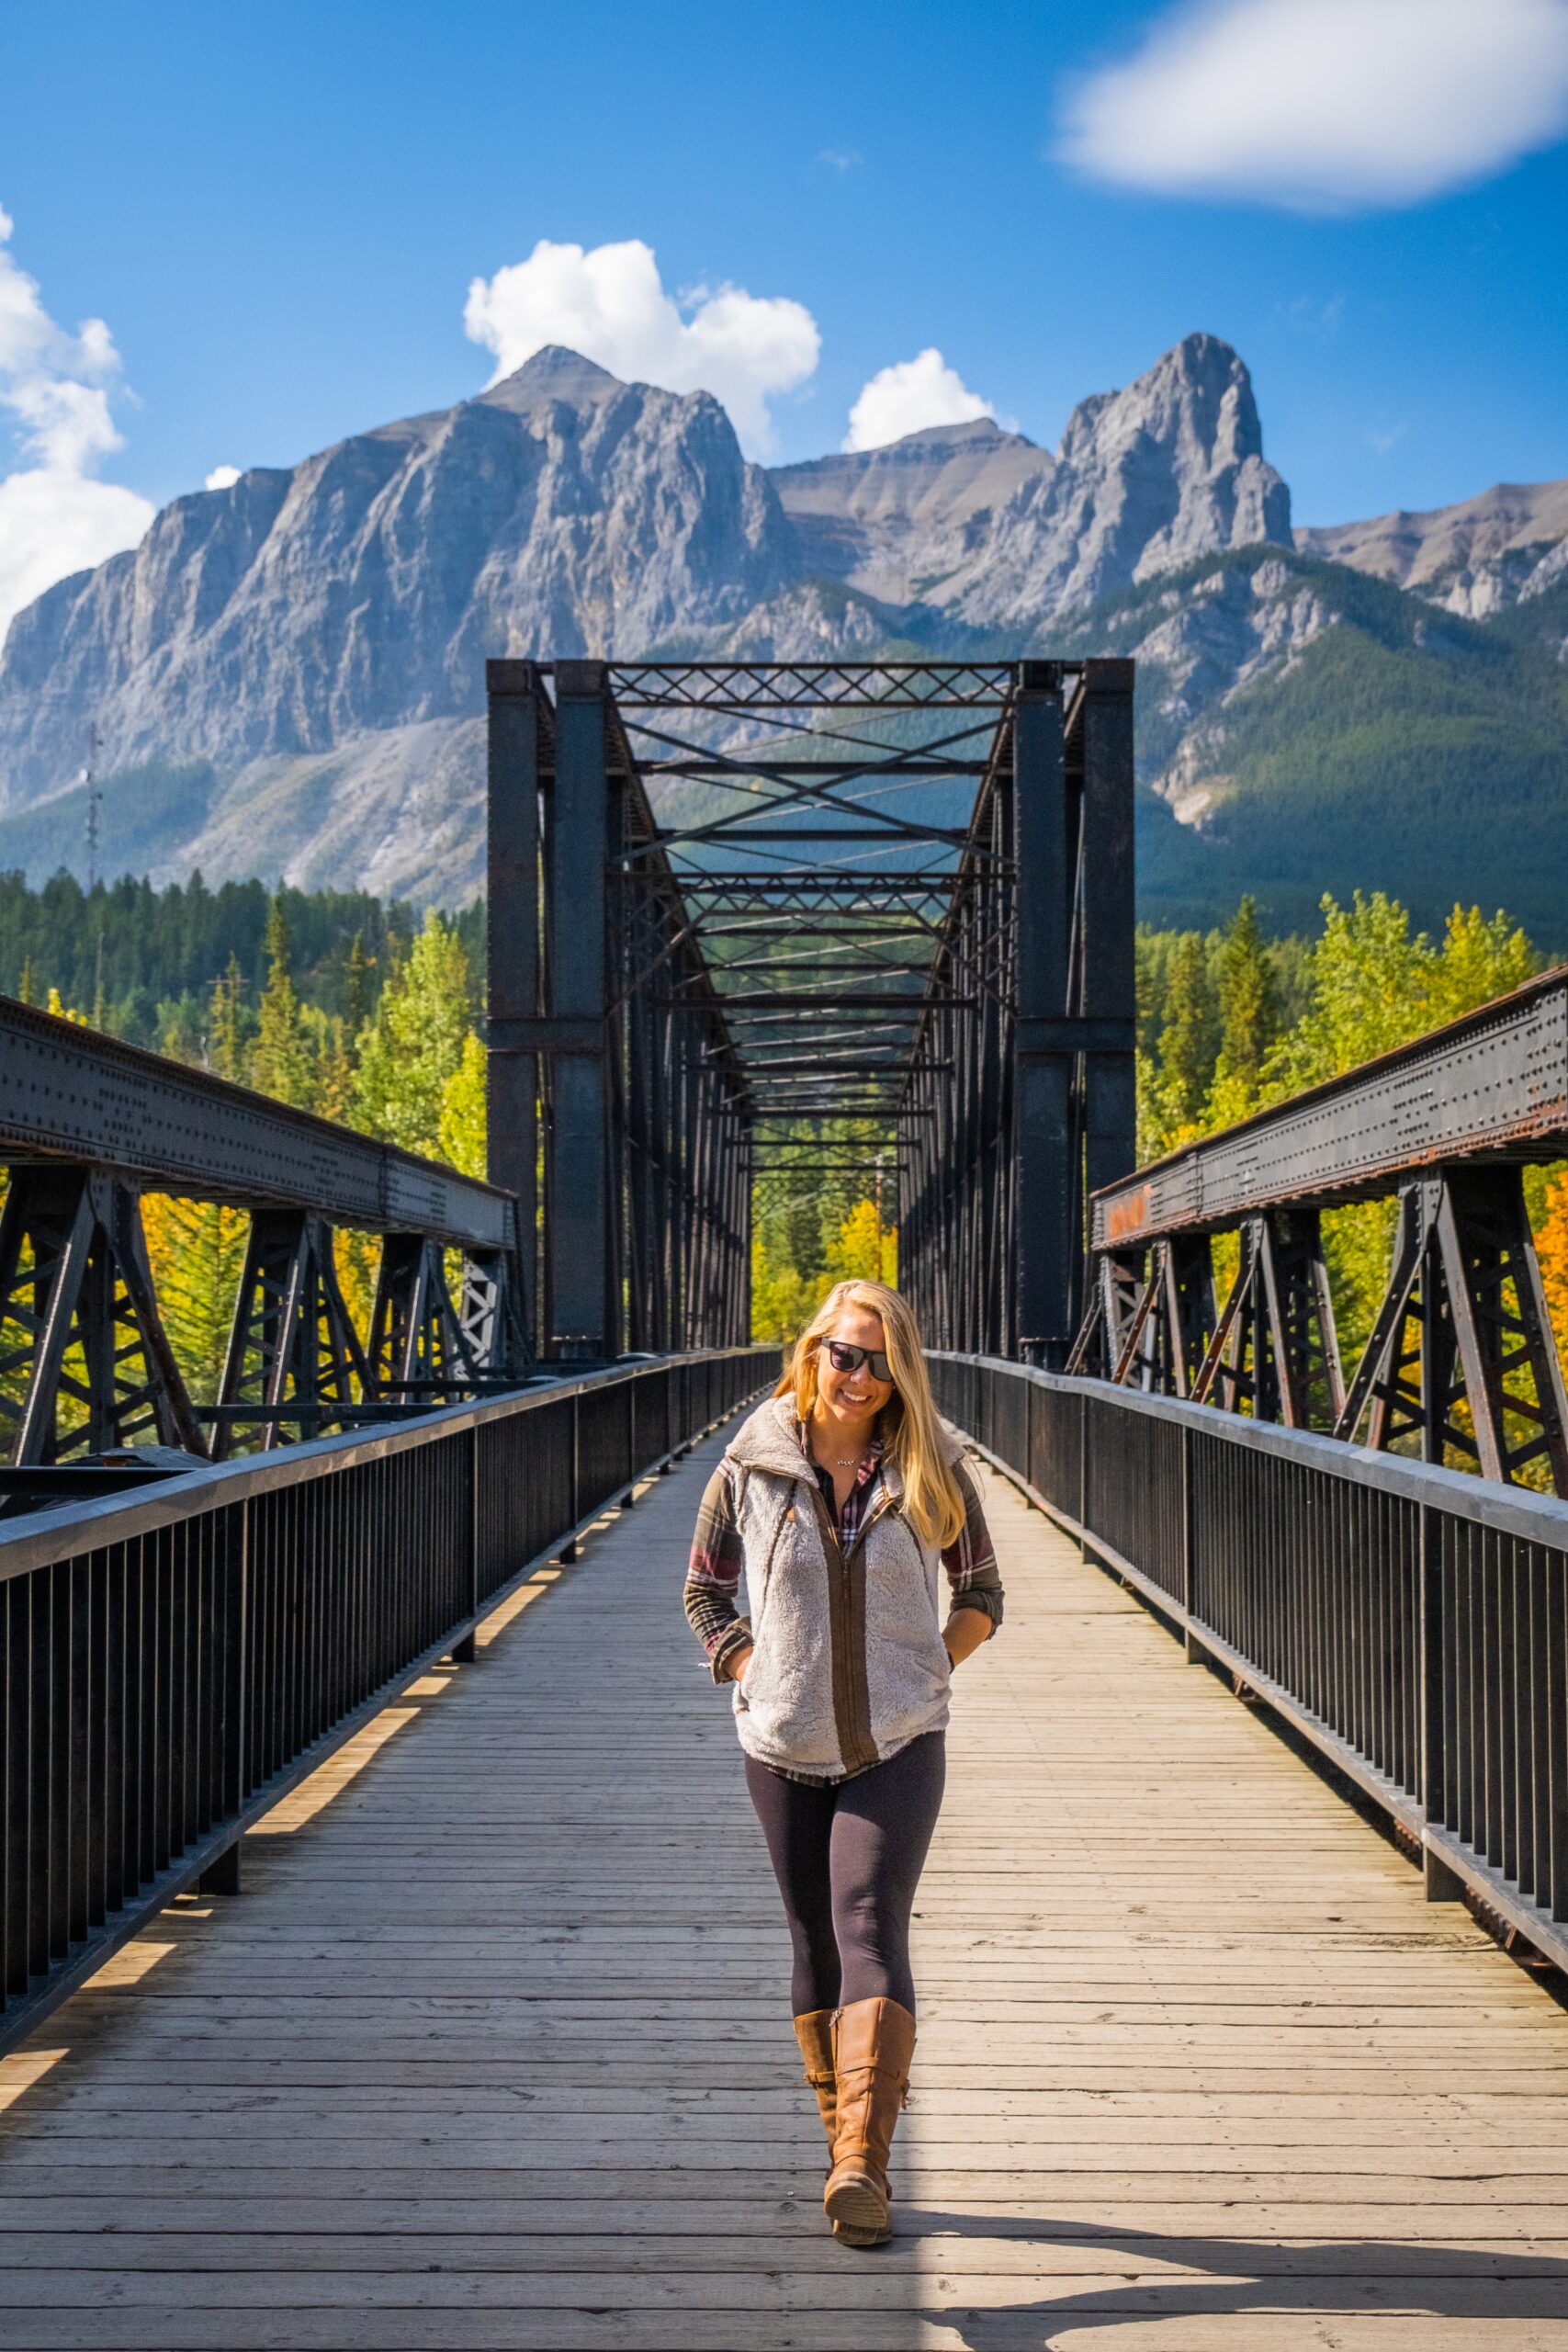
(297, 660)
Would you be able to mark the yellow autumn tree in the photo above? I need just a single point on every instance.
(1552, 1249)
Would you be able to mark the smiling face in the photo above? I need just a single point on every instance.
(852, 1400)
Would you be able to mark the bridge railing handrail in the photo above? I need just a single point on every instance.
(62, 1530)
(1409, 1621)
(173, 1660)
(1517, 1510)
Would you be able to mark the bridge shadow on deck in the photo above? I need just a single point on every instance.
(494, 2050)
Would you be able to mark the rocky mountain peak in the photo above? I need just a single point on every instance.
(561, 511)
(1145, 479)
(889, 521)
(553, 374)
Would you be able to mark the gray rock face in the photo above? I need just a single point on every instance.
(319, 634)
(890, 522)
(1225, 633)
(1477, 559)
(1145, 479)
(562, 511)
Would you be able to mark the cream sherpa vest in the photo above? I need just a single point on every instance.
(849, 1663)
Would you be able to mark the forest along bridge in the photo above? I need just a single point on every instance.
(1195, 2053)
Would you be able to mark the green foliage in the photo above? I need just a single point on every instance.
(1189, 1040)
(162, 950)
(816, 1225)
(460, 1135)
(281, 1062)
(1250, 1004)
(413, 1047)
(1367, 983)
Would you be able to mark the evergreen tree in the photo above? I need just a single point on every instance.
(1250, 1004)
(280, 1064)
(226, 1023)
(356, 986)
(334, 1066)
(1189, 1039)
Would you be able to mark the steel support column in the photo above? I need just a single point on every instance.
(1049, 1208)
(512, 1082)
(584, 1315)
(93, 1366)
(1107, 987)
(292, 1344)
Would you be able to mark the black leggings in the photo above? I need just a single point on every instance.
(848, 1860)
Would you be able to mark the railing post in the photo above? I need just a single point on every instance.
(569, 1550)
(230, 1758)
(1083, 1475)
(1443, 1885)
(466, 1650)
(1196, 1654)
(629, 1498)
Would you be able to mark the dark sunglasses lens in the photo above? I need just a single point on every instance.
(843, 1358)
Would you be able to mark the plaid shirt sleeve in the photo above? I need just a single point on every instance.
(973, 1580)
(713, 1577)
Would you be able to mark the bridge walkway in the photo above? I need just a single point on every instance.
(493, 2051)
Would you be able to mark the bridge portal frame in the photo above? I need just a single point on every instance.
(635, 1094)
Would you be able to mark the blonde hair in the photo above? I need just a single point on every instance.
(933, 1503)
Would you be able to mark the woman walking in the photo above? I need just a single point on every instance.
(869, 1577)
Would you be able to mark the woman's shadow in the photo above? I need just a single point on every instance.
(1238, 2278)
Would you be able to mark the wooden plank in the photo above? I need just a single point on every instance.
(495, 2048)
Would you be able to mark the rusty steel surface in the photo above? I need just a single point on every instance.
(1492, 1084)
(69, 1092)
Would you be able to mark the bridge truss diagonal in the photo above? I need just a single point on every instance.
(750, 921)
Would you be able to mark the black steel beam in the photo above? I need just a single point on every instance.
(748, 686)
(518, 713)
(69, 1093)
(1047, 1243)
(1491, 1086)
(1108, 989)
(578, 1239)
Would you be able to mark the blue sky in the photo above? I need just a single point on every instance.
(278, 213)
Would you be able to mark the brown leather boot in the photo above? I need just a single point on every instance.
(872, 2045)
(814, 2031)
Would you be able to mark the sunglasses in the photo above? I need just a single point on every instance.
(843, 1358)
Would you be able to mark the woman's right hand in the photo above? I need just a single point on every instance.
(738, 1663)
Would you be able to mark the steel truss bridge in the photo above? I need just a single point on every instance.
(752, 924)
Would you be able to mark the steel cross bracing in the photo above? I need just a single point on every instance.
(87, 1127)
(1459, 1365)
(751, 918)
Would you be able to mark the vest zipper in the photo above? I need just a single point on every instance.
(852, 1704)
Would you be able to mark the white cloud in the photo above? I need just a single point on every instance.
(610, 304)
(221, 478)
(907, 397)
(1325, 106)
(54, 517)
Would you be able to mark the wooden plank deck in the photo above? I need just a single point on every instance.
(494, 2049)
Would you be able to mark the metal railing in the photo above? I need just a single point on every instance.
(1410, 1621)
(175, 1661)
